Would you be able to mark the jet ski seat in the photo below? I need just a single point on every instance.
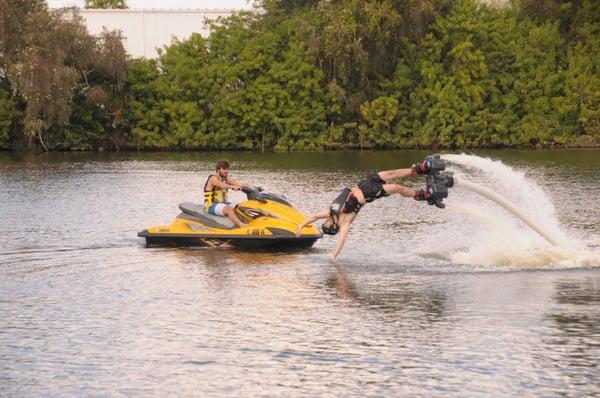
(196, 212)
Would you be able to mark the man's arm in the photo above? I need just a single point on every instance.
(215, 182)
(308, 220)
(237, 183)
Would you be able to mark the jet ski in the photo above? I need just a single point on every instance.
(272, 222)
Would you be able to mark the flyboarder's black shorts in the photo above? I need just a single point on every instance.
(372, 187)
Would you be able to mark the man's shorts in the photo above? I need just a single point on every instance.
(218, 209)
(372, 187)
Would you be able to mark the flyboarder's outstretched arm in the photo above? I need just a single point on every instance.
(344, 229)
(308, 220)
(345, 221)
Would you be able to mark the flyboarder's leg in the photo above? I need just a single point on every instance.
(421, 194)
(387, 175)
(418, 168)
(391, 189)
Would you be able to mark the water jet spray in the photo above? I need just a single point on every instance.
(491, 195)
(440, 180)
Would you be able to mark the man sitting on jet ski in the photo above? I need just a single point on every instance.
(215, 193)
(344, 209)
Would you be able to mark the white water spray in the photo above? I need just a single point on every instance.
(515, 188)
(504, 243)
(480, 214)
(488, 193)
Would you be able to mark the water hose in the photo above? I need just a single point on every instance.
(493, 196)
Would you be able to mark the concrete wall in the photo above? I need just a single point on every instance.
(146, 30)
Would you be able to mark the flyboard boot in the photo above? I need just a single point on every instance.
(431, 165)
(437, 181)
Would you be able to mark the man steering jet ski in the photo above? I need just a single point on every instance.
(263, 221)
(345, 207)
(215, 193)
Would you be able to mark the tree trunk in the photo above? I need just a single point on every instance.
(41, 138)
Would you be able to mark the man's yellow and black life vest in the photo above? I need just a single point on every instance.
(217, 195)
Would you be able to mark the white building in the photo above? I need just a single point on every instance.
(146, 30)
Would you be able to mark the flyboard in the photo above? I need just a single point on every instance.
(438, 180)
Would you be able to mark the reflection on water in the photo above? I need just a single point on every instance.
(573, 329)
(88, 310)
(578, 292)
(424, 300)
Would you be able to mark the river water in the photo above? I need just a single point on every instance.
(422, 301)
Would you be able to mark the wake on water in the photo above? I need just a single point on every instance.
(507, 241)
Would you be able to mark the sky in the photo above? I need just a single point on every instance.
(219, 4)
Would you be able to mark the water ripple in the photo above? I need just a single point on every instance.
(88, 310)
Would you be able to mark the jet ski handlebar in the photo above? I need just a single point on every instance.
(254, 193)
(260, 195)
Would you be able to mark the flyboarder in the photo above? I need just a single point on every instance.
(345, 207)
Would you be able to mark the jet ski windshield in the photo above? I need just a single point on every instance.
(253, 193)
(275, 198)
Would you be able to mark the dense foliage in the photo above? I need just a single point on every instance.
(67, 88)
(117, 4)
(311, 75)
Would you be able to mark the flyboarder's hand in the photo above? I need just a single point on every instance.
(333, 258)
(298, 231)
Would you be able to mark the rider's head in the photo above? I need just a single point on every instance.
(222, 168)
(330, 227)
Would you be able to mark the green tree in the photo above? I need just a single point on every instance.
(309, 75)
(144, 110)
(486, 76)
(40, 75)
(245, 87)
(571, 15)
(8, 115)
(451, 104)
(52, 69)
(302, 117)
(116, 4)
(378, 115)
(583, 81)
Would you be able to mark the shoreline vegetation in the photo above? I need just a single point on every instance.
(309, 75)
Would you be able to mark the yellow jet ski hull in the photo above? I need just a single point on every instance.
(271, 225)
